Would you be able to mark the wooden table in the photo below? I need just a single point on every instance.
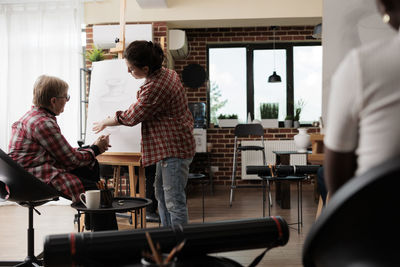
(317, 145)
(131, 160)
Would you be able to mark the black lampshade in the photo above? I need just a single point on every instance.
(274, 78)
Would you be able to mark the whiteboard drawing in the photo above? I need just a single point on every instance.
(112, 88)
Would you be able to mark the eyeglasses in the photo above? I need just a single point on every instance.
(66, 97)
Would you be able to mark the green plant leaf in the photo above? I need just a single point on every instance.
(269, 110)
(96, 54)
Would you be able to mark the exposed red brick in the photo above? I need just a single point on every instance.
(237, 39)
(249, 39)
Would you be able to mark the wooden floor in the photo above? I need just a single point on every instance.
(247, 204)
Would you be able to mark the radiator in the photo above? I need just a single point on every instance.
(255, 157)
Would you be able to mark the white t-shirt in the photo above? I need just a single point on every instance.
(364, 104)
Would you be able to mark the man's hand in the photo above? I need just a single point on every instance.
(103, 143)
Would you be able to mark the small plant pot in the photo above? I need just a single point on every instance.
(288, 123)
(270, 123)
(227, 122)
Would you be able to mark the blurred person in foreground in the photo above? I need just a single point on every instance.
(364, 106)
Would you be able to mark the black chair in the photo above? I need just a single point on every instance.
(245, 131)
(359, 225)
(18, 185)
(287, 173)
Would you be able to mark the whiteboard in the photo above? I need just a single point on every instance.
(112, 88)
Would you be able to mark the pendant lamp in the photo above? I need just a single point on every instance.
(274, 78)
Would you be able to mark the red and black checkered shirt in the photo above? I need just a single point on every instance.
(38, 146)
(167, 124)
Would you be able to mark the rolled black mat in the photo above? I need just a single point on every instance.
(116, 248)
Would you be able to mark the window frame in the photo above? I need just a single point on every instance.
(250, 47)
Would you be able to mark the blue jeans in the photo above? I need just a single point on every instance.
(170, 183)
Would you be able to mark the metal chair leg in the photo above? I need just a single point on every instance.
(269, 193)
(298, 207)
(264, 198)
(202, 187)
(233, 185)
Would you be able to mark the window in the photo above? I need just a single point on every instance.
(228, 83)
(307, 74)
(239, 79)
(265, 92)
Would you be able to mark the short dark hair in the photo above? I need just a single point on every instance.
(145, 53)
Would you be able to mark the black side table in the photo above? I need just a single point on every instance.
(120, 204)
(198, 177)
(202, 164)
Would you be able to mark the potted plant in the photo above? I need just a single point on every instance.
(269, 115)
(226, 120)
(297, 111)
(96, 54)
(288, 121)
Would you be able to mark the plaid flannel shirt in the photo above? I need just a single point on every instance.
(38, 146)
(167, 124)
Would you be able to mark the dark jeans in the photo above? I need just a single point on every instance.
(95, 222)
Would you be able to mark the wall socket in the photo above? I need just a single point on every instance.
(214, 169)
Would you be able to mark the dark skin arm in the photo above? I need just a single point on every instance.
(339, 168)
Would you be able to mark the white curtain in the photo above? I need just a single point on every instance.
(39, 37)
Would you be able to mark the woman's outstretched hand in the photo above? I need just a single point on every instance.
(101, 125)
(98, 126)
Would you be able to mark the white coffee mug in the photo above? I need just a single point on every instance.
(91, 199)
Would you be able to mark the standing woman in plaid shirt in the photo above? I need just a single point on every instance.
(167, 127)
(38, 145)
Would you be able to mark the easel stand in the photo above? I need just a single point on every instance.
(131, 160)
(120, 47)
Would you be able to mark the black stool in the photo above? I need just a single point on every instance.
(199, 177)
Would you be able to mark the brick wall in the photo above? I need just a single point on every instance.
(222, 138)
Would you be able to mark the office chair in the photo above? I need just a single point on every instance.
(359, 225)
(245, 131)
(18, 185)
